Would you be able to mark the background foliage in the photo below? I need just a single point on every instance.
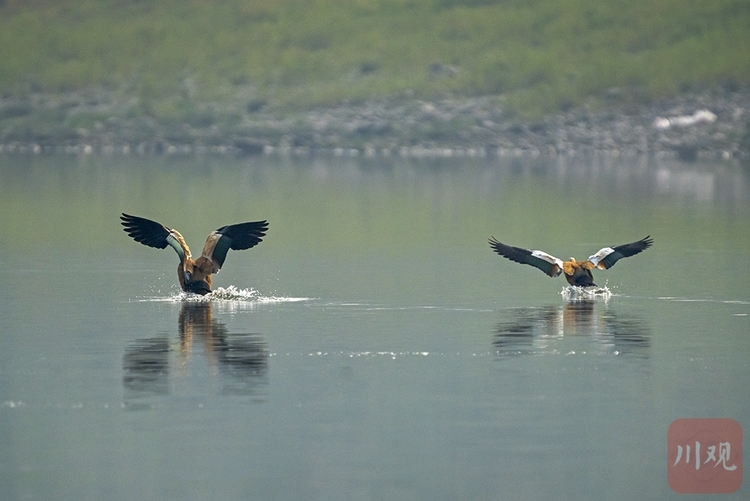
(542, 55)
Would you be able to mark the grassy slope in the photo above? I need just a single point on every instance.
(542, 54)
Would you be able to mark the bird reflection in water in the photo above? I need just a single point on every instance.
(541, 330)
(239, 361)
(146, 367)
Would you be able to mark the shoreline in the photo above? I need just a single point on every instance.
(692, 126)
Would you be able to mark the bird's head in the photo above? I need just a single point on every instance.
(187, 269)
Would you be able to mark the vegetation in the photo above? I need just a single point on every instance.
(542, 55)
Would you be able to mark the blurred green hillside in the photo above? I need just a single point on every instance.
(542, 55)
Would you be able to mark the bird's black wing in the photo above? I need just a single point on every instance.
(237, 237)
(608, 256)
(145, 231)
(550, 265)
(154, 234)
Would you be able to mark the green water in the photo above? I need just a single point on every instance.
(372, 346)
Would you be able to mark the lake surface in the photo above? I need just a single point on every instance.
(373, 346)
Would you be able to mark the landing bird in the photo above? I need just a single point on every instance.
(576, 273)
(195, 275)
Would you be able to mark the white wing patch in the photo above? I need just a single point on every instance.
(208, 250)
(599, 256)
(177, 242)
(550, 259)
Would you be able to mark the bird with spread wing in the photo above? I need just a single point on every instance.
(195, 274)
(577, 273)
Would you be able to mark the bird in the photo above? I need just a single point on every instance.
(577, 273)
(194, 275)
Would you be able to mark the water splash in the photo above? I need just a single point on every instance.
(232, 293)
(227, 296)
(575, 293)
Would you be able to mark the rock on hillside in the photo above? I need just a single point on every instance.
(95, 120)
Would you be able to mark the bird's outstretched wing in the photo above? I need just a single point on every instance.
(608, 256)
(153, 234)
(236, 237)
(550, 265)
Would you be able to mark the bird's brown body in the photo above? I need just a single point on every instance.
(578, 272)
(199, 270)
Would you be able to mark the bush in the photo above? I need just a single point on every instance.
(543, 54)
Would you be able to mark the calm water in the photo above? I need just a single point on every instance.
(373, 346)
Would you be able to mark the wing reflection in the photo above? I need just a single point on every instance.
(146, 367)
(541, 330)
(239, 361)
(241, 358)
